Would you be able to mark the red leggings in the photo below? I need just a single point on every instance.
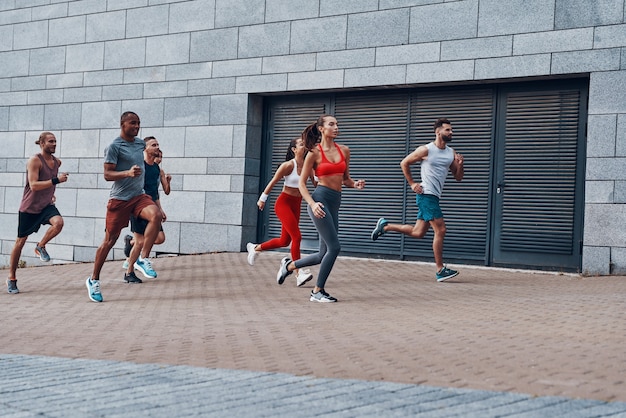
(287, 208)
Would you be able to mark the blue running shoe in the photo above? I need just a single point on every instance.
(445, 274)
(379, 231)
(125, 265)
(42, 253)
(93, 288)
(145, 267)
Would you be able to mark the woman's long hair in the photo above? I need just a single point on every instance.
(312, 134)
(290, 154)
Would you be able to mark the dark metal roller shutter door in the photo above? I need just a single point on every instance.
(538, 199)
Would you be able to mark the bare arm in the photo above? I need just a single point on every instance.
(347, 180)
(283, 170)
(32, 173)
(110, 174)
(165, 182)
(307, 171)
(416, 156)
(456, 168)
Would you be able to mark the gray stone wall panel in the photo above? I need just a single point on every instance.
(30, 35)
(314, 80)
(581, 13)
(147, 21)
(231, 109)
(214, 45)
(337, 7)
(167, 49)
(192, 16)
(14, 63)
(519, 66)
(496, 17)
(601, 135)
(47, 61)
(83, 7)
(6, 38)
(84, 57)
(187, 111)
(232, 13)
(440, 71)
(316, 35)
(123, 92)
(165, 89)
(389, 75)
(184, 72)
(281, 10)
(125, 53)
(383, 28)
(250, 66)
(554, 41)
(264, 40)
(491, 47)
(261, 83)
(599, 191)
(61, 116)
(355, 58)
(106, 26)
(26, 118)
(408, 54)
(50, 11)
(596, 260)
(620, 141)
(28, 83)
(289, 64)
(100, 115)
(439, 22)
(610, 36)
(211, 86)
(607, 92)
(69, 30)
(45, 97)
(150, 112)
(586, 61)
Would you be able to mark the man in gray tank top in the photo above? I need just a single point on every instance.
(37, 207)
(436, 159)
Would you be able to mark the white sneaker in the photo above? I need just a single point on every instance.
(304, 275)
(252, 254)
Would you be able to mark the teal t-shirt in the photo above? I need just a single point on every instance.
(124, 155)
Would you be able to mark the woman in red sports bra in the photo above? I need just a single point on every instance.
(331, 162)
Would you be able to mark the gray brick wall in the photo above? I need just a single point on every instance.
(190, 69)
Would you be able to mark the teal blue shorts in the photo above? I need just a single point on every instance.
(428, 207)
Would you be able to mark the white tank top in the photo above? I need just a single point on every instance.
(434, 169)
(293, 179)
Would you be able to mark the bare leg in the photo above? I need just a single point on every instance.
(439, 228)
(102, 252)
(15, 257)
(56, 225)
(153, 215)
(134, 252)
(416, 231)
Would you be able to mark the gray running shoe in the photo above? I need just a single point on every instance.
(132, 278)
(12, 286)
(42, 253)
(282, 271)
(322, 296)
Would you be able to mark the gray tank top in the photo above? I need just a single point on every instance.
(434, 169)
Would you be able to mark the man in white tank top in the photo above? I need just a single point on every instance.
(435, 159)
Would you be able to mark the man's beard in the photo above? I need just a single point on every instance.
(446, 138)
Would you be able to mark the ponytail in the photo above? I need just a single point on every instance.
(311, 134)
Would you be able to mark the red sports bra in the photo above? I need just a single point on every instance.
(326, 168)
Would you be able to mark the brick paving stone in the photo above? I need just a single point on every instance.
(490, 330)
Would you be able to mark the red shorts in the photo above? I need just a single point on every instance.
(119, 211)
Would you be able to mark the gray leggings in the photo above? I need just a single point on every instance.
(328, 230)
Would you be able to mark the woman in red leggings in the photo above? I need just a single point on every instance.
(287, 208)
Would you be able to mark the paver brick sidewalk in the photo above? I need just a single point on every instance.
(489, 329)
